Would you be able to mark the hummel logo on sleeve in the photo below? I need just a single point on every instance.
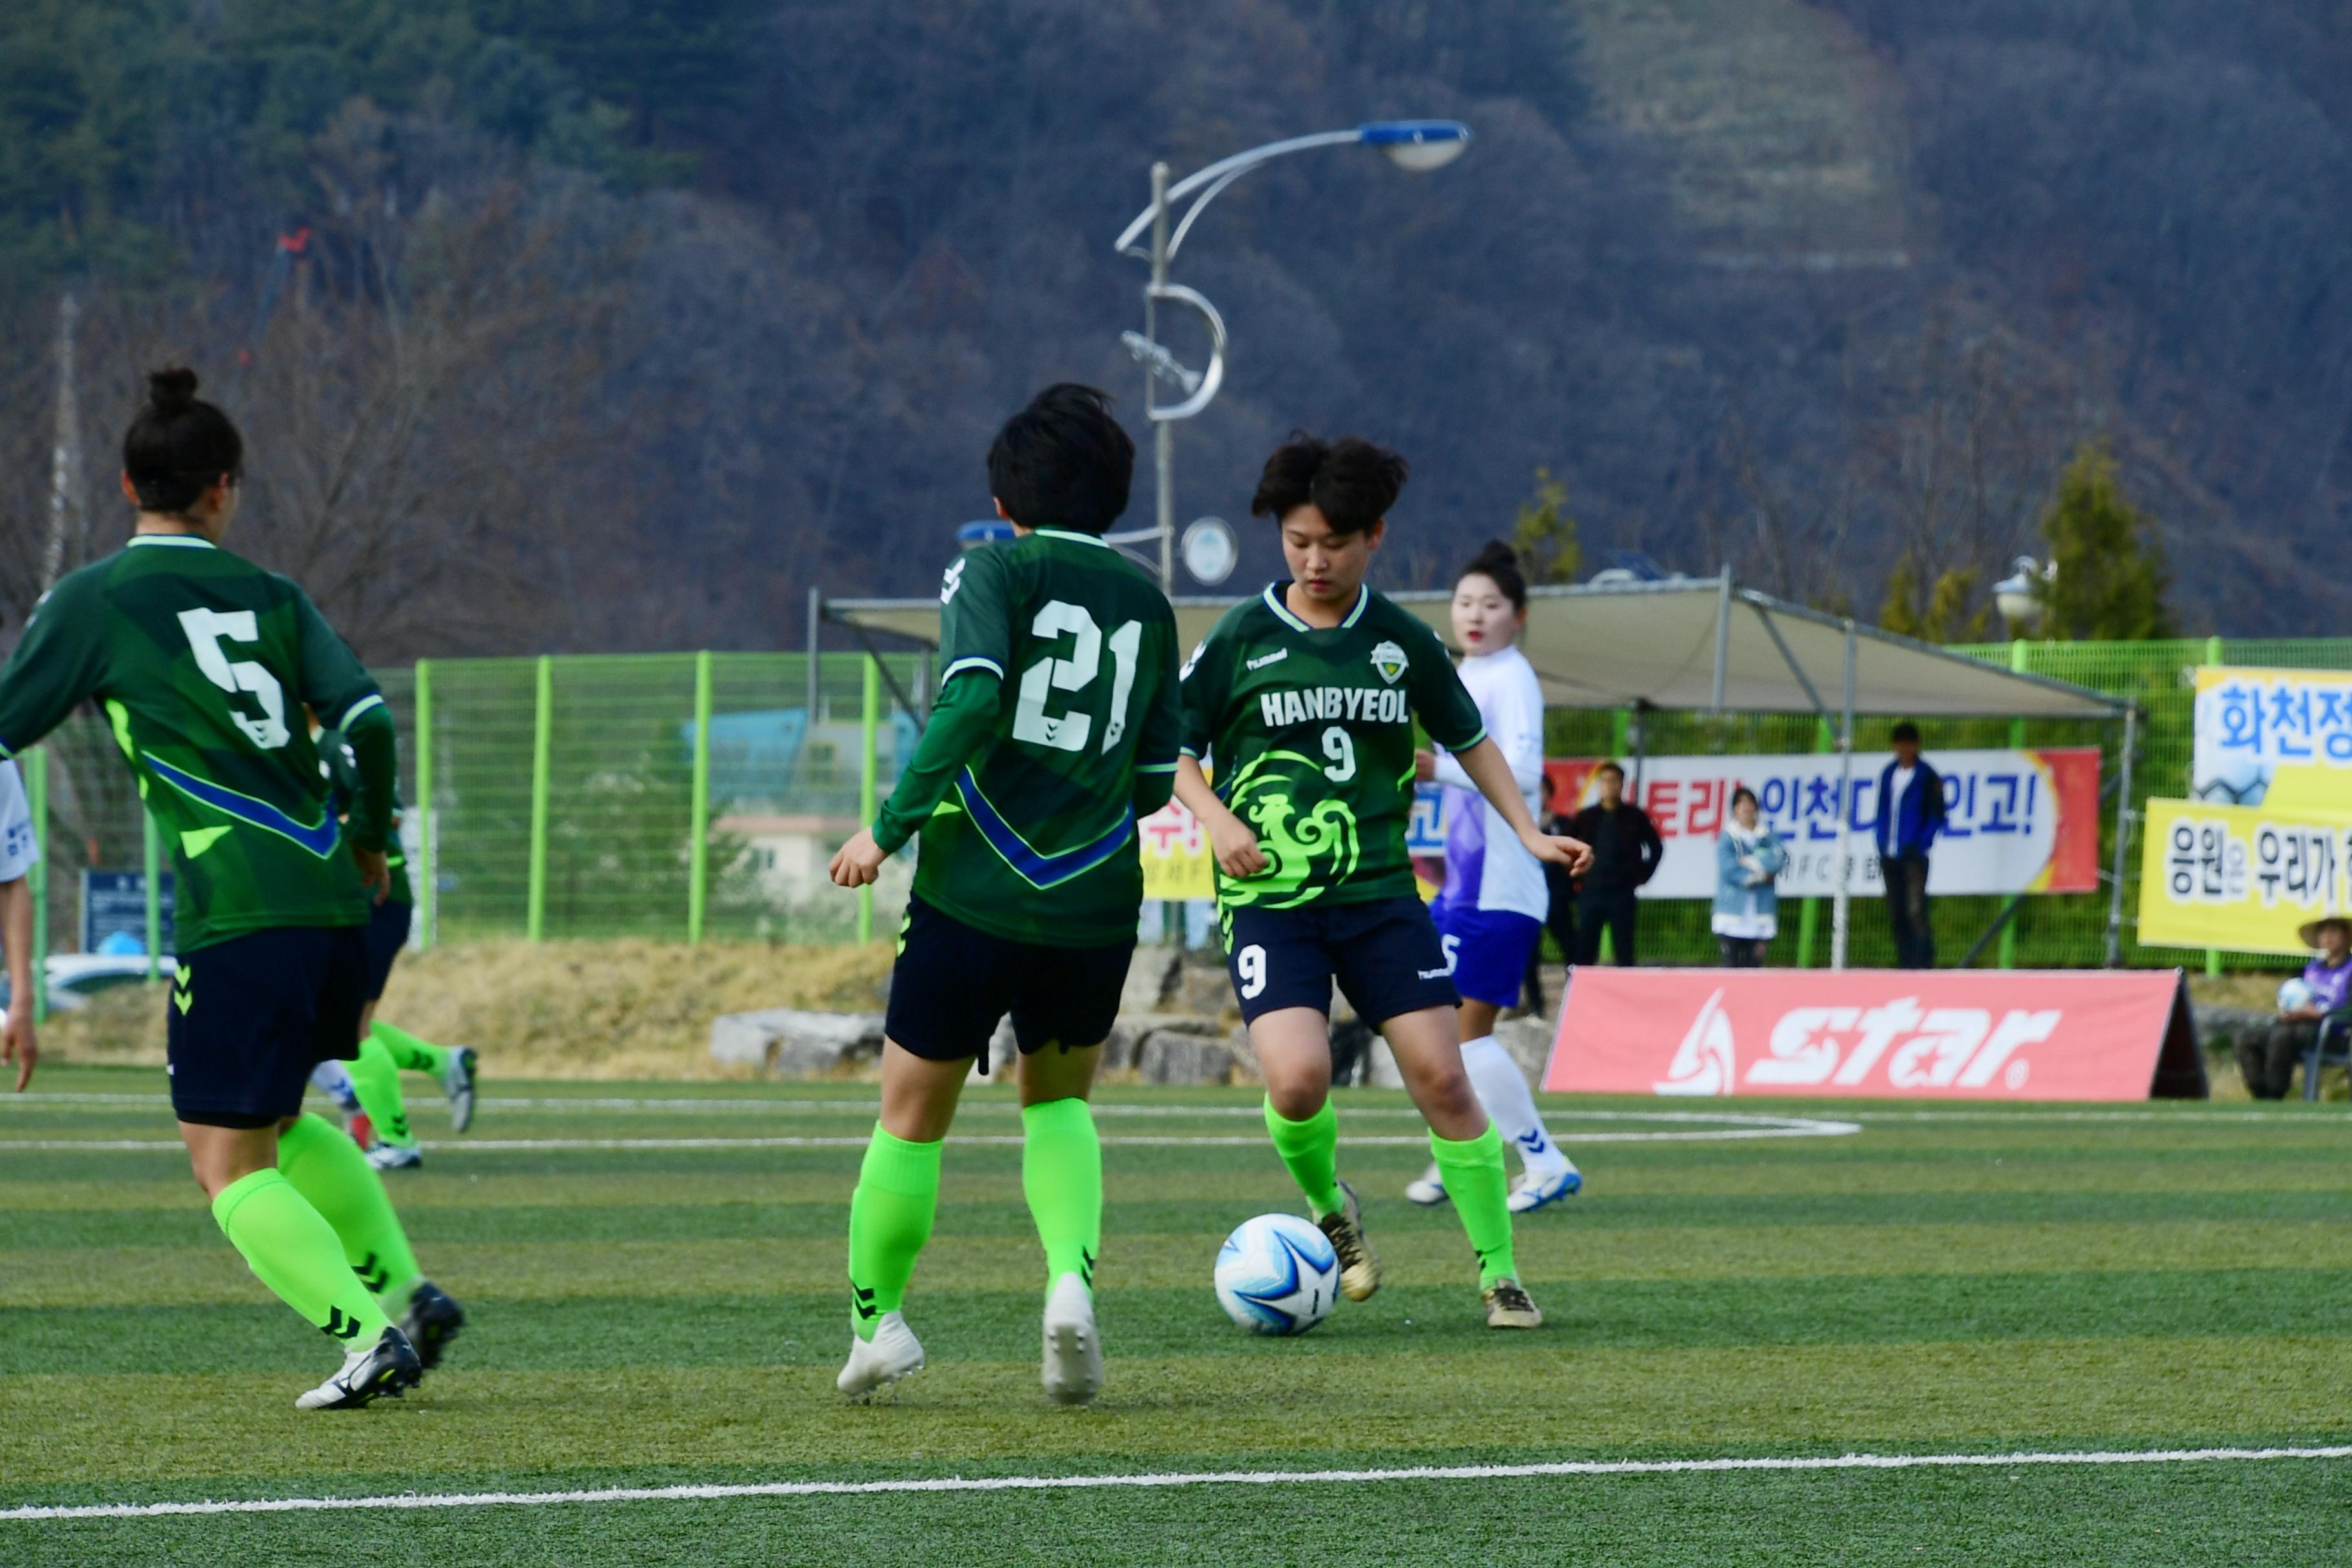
(953, 580)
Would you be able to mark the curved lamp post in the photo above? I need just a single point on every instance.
(1417, 145)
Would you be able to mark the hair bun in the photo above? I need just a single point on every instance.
(1497, 555)
(170, 390)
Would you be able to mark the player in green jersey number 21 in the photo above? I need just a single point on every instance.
(1054, 731)
(200, 660)
(1304, 700)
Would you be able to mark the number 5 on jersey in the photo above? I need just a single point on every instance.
(1068, 731)
(206, 630)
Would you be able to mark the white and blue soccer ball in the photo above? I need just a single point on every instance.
(2294, 993)
(1277, 1274)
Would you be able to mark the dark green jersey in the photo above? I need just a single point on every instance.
(342, 769)
(1310, 734)
(1026, 798)
(202, 661)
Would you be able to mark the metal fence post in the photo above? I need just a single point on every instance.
(1842, 911)
(36, 797)
(697, 875)
(151, 860)
(428, 898)
(1809, 918)
(2018, 662)
(2123, 837)
(866, 768)
(2214, 655)
(542, 738)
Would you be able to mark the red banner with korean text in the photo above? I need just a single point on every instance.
(1942, 1035)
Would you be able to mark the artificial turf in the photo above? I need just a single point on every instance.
(1979, 1280)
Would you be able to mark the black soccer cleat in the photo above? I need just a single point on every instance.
(431, 1323)
(388, 1367)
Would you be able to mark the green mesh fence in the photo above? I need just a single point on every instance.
(563, 797)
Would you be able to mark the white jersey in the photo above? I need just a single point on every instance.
(1486, 867)
(18, 851)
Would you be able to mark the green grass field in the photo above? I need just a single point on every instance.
(1977, 1280)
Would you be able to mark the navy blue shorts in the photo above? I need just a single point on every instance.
(249, 1018)
(954, 983)
(1384, 953)
(1487, 947)
(387, 933)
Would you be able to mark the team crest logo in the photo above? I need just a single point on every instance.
(952, 581)
(1389, 659)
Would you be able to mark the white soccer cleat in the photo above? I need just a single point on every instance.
(1430, 1190)
(395, 1156)
(1074, 1365)
(1533, 1192)
(892, 1353)
(389, 1366)
(458, 1083)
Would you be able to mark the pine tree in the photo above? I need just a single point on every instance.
(1945, 616)
(1545, 535)
(2110, 578)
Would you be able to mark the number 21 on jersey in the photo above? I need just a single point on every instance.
(1069, 731)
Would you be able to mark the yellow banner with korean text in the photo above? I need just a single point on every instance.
(2241, 878)
(1175, 851)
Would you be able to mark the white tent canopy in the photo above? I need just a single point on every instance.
(1698, 644)
(1704, 644)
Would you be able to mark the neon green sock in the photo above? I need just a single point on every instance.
(1481, 1192)
(410, 1054)
(1061, 1175)
(329, 1170)
(376, 1081)
(292, 1250)
(1311, 1151)
(890, 1219)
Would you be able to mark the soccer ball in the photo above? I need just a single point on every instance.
(2296, 993)
(1277, 1274)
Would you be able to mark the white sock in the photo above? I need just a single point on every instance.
(1503, 1090)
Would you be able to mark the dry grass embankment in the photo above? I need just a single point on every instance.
(567, 1009)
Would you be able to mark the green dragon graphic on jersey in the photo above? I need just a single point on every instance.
(1309, 733)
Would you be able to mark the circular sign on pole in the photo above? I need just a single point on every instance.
(1211, 551)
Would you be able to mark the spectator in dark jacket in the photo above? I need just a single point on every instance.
(1625, 853)
(1910, 815)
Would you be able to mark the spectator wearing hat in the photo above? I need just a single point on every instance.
(2266, 1060)
(1910, 815)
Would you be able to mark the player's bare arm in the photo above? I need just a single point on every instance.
(1487, 769)
(18, 1045)
(1230, 839)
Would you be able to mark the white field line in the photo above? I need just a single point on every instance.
(1774, 1127)
(1182, 1478)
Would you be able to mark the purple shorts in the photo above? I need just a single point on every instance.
(1487, 947)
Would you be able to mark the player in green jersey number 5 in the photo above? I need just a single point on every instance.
(1304, 700)
(1054, 731)
(202, 661)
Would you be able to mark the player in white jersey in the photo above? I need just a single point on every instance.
(19, 848)
(1491, 913)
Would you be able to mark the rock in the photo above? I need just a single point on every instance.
(1180, 1055)
(1151, 979)
(1383, 1072)
(790, 1042)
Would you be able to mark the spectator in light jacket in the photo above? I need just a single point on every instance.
(2267, 1059)
(1910, 815)
(1748, 859)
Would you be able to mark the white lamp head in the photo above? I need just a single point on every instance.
(1418, 145)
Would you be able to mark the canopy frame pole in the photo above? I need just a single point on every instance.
(2123, 837)
(1641, 746)
(815, 679)
(1842, 916)
(1722, 634)
(1789, 659)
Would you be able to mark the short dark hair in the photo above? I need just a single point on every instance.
(1063, 461)
(1906, 731)
(180, 445)
(1499, 563)
(1744, 793)
(1350, 481)
(1609, 768)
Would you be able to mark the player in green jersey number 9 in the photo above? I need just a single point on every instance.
(1304, 700)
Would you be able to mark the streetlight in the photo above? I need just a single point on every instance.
(2022, 596)
(1415, 145)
